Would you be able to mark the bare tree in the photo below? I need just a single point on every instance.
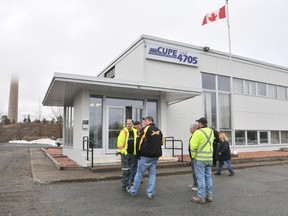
(57, 113)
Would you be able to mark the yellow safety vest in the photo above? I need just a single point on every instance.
(201, 144)
(122, 141)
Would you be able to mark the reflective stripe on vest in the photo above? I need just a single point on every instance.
(143, 137)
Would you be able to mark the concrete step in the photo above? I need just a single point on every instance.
(168, 168)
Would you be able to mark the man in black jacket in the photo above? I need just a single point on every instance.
(149, 149)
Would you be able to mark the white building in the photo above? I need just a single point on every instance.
(176, 83)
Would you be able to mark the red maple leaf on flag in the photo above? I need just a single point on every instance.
(212, 17)
(216, 15)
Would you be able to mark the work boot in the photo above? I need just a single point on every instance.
(209, 198)
(198, 199)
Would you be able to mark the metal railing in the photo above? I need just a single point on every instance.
(89, 147)
(174, 147)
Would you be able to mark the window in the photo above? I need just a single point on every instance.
(282, 93)
(223, 83)
(263, 135)
(272, 91)
(224, 111)
(210, 107)
(240, 137)
(275, 137)
(152, 109)
(250, 87)
(110, 73)
(252, 138)
(208, 81)
(69, 121)
(261, 89)
(238, 86)
(95, 130)
(284, 137)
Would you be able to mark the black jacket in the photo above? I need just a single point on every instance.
(223, 151)
(150, 142)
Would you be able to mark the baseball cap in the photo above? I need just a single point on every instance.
(202, 120)
(148, 117)
(136, 123)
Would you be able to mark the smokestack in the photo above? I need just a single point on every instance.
(13, 100)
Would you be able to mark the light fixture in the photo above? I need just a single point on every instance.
(206, 49)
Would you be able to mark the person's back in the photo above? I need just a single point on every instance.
(148, 151)
(151, 140)
(202, 144)
(202, 151)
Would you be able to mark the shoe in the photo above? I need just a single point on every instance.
(217, 173)
(150, 196)
(194, 188)
(209, 198)
(190, 186)
(198, 199)
(231, 174)
(128, 190)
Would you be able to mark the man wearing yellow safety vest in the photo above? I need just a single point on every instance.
(126, 144)
(201, 147)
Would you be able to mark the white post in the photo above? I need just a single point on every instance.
(231, 82)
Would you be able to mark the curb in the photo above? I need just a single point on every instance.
(55, 162)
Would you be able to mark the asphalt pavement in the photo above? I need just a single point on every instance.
(260, 190)
(45, 169)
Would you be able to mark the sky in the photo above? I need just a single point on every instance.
(40, 37)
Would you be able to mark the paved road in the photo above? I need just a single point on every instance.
(257, 191)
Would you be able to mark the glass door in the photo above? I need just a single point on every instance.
(116, 122)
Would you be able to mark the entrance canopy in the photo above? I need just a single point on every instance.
(64, 87)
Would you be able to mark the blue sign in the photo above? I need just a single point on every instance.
(164, 53)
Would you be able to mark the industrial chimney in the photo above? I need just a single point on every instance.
(13, 100)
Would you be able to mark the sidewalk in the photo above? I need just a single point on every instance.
(50, 166)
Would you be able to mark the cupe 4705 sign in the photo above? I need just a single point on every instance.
(163, 53)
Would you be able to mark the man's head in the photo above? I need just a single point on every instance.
(129, 124)
(148, 120)
(202, 122)
(193, 127)
(137, 125)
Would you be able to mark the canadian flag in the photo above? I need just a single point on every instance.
(216, 15)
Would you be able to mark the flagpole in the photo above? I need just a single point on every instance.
(231, 82)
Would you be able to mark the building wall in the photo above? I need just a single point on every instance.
(258, 113)
(132, 67)
(180, 116)
(81, 112)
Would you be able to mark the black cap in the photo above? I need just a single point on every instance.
(136, 122)
(148, 117)
(202, 120)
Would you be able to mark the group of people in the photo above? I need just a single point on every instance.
(206, 147)
(140, 149)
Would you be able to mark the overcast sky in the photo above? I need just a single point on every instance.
(40, 37)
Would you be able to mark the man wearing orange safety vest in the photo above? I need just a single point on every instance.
(126, 144)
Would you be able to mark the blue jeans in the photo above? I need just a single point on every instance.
(129, 167)
(193, 173)
(227, 164)
(145, 163)
(204, 179)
